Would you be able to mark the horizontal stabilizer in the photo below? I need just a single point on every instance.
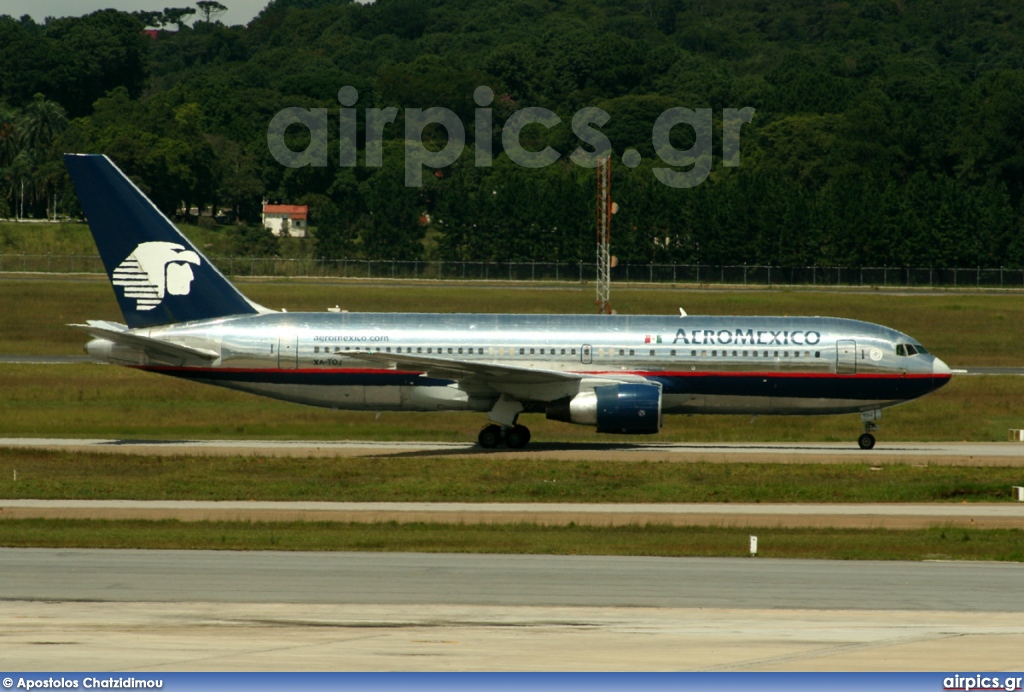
(155, 348)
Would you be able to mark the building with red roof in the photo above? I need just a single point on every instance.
(286, 219)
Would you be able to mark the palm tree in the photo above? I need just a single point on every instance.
(18, 175)
(43, 121)
(10, 145)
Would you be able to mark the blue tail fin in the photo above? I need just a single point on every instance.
(159, 277)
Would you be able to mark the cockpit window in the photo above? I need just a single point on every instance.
(909, 349)
(921, 349)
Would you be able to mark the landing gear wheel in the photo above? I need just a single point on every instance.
(489, 437)
(517, 437)
(866, 441)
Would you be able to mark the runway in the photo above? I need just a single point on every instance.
(174, 576)
(203, 610)
(934, 453)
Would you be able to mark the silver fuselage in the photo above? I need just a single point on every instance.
(704, 364)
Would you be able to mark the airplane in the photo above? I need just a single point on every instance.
(615, 373)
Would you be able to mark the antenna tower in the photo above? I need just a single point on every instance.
(604, 236)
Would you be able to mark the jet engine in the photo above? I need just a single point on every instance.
(624, 408)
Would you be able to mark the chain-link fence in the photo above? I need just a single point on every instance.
(738, 275)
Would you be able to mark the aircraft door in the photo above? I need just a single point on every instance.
(288, 352)
(586, 355)
(846, 357)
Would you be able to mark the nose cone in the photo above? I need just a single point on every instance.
(941, 372)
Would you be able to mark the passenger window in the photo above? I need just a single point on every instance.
(652, 351)
(419, 349)
(632, 352)
(522, 351)
(622, 351)
(817, 354)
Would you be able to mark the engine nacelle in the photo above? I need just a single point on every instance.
(625, 408)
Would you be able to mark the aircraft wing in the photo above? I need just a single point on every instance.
(463, 370)
(496, 376)
(119, 334)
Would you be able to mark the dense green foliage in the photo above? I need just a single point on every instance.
(886, 131)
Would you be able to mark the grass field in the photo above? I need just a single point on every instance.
(105, 401)
(480, 478)
(876, 544)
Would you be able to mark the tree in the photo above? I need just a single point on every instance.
(334, 234)
(44, 120)
(211, 9)
(150, 17)
(177, 15)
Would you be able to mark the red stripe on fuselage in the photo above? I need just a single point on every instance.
(608, 373)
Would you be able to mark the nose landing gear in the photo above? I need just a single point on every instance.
(867, 439)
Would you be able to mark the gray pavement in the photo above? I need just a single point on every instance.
(506, 580)
(1008, 515)
(154, 610)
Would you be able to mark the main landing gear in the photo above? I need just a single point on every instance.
(514, 437)
(505, 429)
(868, 418)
